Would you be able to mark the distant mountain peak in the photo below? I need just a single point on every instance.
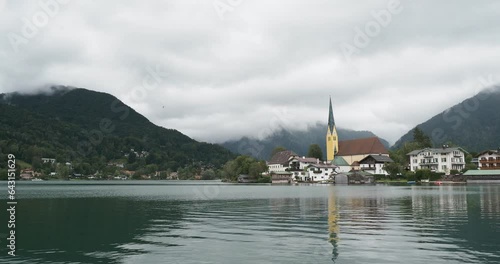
(295, 140)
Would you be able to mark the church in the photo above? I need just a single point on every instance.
(364, 153)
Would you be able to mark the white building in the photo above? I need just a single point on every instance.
(280, 161)
(288, 164)
(374, 164)
(298, 167)
(301, 163)
(437, 159)
(48, 160)
(489, 160)
(320, 172)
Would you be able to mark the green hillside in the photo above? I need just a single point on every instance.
(93, 128)
(473, 124)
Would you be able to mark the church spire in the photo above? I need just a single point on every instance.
(331, 120)
(332, 140)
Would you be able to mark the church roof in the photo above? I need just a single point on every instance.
(281, 157)
(331, 120)
(362, 146)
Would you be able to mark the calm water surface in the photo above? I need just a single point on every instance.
(187, 222)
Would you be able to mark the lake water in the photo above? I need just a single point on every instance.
(209, 222)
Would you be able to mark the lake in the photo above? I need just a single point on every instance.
(212, 222)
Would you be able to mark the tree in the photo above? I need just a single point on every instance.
(421, 138)
(62, 171)
(256, 169)
(131, 158)
(151, 169)
(243, 165)
(3, 174)
(315, 152)
(208, 175)
(400, 155)
(137, 176)
(228, 171)
(427, 174)
(276, 150)
(394, 169)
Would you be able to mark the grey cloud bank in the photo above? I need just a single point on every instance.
(223, 78)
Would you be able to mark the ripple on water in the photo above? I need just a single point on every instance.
(262, 224)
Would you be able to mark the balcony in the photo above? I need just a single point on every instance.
(490, 164)
(491, 168)
(428, 163)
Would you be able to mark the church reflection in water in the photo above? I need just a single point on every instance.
(333, 218)
(465, 216)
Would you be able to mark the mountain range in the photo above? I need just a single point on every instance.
(473, 124)
(296, 140)
(78, 124)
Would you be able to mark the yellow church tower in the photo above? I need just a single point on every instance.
(332, 139)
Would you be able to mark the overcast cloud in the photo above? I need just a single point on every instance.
(248, 65)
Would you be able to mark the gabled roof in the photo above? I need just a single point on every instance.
(339, 161)
(362, 146)
(324, 166)
(305, 159)
(281, 157)
(359, 173)
(490, 152)
(378, 159)
(436, 150)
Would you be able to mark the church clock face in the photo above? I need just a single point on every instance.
(329, 138)
(334, 138)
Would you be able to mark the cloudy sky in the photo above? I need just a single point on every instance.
(219, 70)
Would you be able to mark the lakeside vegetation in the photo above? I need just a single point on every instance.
(230, 171)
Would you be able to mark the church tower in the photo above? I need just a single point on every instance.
(332, 139)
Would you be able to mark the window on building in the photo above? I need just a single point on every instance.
(443, 159)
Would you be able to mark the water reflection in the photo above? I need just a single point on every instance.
(333, 227)
(261, 224)
(81, 230)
